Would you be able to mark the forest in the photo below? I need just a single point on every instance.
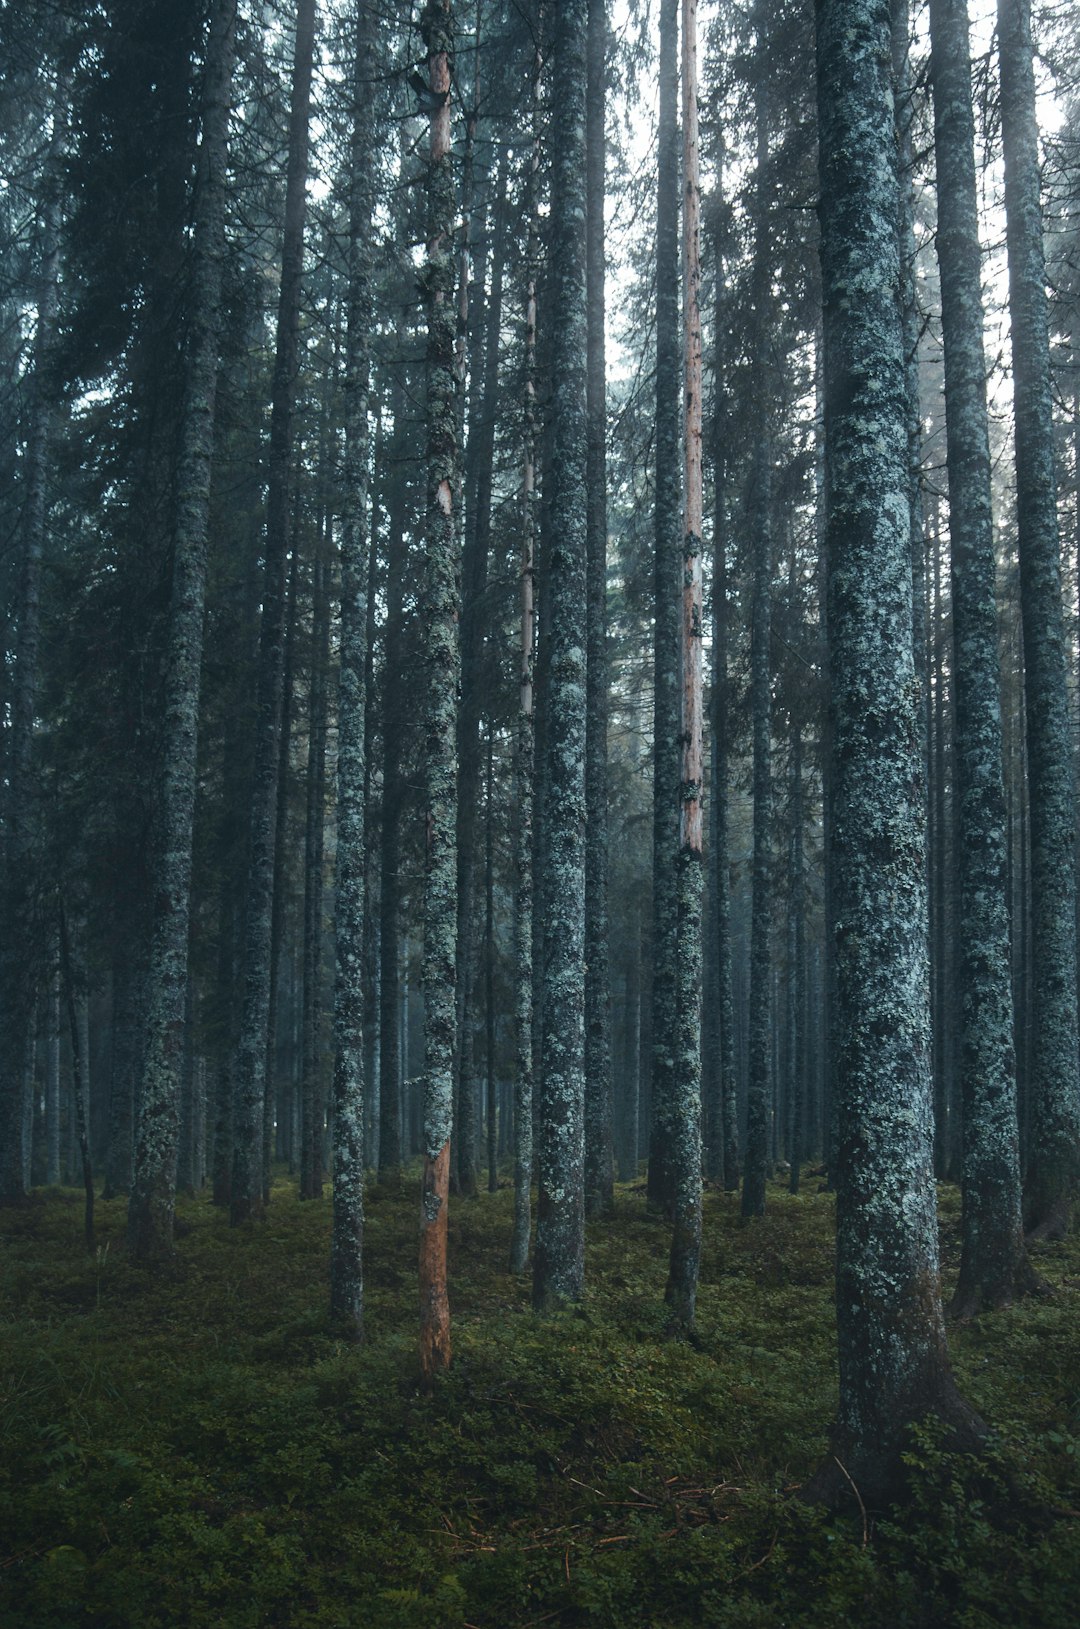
(539, 787)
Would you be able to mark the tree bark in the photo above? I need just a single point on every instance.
(1054, 1154)
(682, 1282)
(667, 588)
(559, 1265)
(893, 1360)
(759, 1082)
(993, 1265)
(246, 1200)
(524, 744)
(347, 1230)
(599, 1152)
(440, 610)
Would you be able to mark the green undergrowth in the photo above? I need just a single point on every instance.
(198, 1448)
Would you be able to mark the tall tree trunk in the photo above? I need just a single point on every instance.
(312, 1105)
(246, 1200)
(524, 743)
(347, 1231)
(20, 953)
(489, 966)
(667, 579)
(80, 1081)
(1054, 1157)
(993, 1265)
(440, 609)
(686, 1095)
(893, 1360)
(278, 1095)
(477, 547)
(759, 1087)
(797, 1049)
(599, 1155)
(559, 1266)
(393, 804)
(726, 1160)
(157, 1129)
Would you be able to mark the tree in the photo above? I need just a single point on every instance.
(993, 1266)
(246, 1199)
(441, 593)
(667, 599)
(20, 954)
(599, 1154)
(760, 523)
(1054, 1152)
(559, 1263)
(893, 1360)
(686, 1094)
(150, 1209)
(525, 736)
(347, 1239)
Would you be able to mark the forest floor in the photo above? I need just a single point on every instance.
(197, 1448)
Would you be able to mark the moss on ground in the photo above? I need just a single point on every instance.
(198, 1448)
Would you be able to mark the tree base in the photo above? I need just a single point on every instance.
(871, 1476)
(981, 1296)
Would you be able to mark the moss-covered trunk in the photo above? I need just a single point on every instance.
(1054, 1152)
(246, 1198)
(157, 1130)
(559, 1264)
(893, 1361)
(666, 593)
(993, 1265)
(441, 594)
(347, 1231)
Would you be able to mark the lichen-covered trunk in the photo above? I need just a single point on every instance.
(559, 1264)
(599, 1155)
(524, 742)
(21, 951)
(993, 1266)
(277, 1094)
(893, 1362)
(312, 1105)
(440, 605)
(667, 590)
(939, 855)
(347, 1228)
(759, 516)
(1054, 1152)
(52, 1079)
(681, 1294)
(796, 969)
(79, 1077)
(724, 1158)
(477, 547)
(246, 1199)
(490, 1015)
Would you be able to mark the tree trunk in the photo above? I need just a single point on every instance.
(559, 1266)
(347, 1231)
(759, 1086)
(667, 592)
(20, 953)
(682, 1282)
(524, 745)
(440, 609)
(599, 1156)
(993, 1265)
(1054, 1157)
(893, 1361)
(246, 1200)
(312, 1106)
